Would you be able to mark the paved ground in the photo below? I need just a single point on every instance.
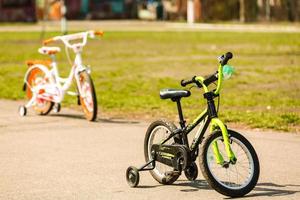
(135, 25)
(65, 157)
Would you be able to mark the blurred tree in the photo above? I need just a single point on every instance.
(198, 10)
(242, 11)
(248, 10)
(293, 11)
(268, 10)
(220, 10)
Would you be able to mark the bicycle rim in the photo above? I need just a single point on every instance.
(86, 94)
(236, 176)
(158, 134)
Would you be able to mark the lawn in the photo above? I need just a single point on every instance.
(129, 69)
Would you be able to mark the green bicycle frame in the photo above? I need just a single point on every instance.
(217, 123)
(214, 122)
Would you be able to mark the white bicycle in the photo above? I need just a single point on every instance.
(45, 89)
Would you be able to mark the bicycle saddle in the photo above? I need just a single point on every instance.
(173, 93)
(49, 50)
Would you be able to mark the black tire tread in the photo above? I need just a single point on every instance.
(208, 176)
(95, 109)
(171, 126)
(137, 180)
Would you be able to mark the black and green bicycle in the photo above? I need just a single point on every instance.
(226, 158)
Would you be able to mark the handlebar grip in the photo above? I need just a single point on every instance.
(99, 33)
(224, 58)
(187, 82)
(47, 41)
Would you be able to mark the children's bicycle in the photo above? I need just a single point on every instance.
(227, 159)
(45, 89)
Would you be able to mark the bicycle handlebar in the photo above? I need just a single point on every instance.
(207, 81)
(47, 41)
(75, 36)
(225, 58)
(211, 78)
(200, 81)
(99, 33)
(187, 82)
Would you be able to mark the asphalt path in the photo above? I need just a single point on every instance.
(62, 156)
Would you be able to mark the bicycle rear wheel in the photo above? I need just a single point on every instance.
(88, 99)
(234, 180)
(156, 133)
(38, 77)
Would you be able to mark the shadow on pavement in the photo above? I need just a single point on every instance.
(73, 116)
(261, 189)
(99, 120)
(117, 121)
(272, 189)
(194, 185)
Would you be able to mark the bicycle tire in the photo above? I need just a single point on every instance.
(156, 174)
(43, 107)
(219, 185)
(88, 101)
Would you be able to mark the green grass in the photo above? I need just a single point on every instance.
(129, 69)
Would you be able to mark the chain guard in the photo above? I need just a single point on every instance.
(176, 156)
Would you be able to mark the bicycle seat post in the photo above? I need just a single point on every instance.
(180, 114)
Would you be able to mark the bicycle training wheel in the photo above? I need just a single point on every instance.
(88, 99)
(38, 77)
(234, 180)
(156, 133)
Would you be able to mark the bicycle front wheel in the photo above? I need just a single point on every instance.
(234, 180)
(88, 99)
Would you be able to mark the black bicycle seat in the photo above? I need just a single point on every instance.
(173, 93)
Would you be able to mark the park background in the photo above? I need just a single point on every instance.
(149, 46)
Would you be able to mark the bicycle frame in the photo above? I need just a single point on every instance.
(57, 87)
(209, 117)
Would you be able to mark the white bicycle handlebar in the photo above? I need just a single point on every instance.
(67, 38)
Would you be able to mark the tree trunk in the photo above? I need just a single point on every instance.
(198, 10)
(242, 11)
(268, 10)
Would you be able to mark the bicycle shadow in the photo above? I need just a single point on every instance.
(273, 189)
(98, 120)
(196, 185)
(261, 190)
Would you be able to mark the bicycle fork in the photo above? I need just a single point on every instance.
(215, 122)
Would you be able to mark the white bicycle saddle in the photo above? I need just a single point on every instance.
(49, 50)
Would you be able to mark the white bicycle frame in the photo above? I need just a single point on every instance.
(53, 86)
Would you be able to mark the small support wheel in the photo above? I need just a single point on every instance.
(22, 111)
(191, 173)
(132, 176)
(57, 108)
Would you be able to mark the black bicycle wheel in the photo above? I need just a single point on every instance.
(234, 180)
(157, 132)
(88, 99)
(132, 176)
